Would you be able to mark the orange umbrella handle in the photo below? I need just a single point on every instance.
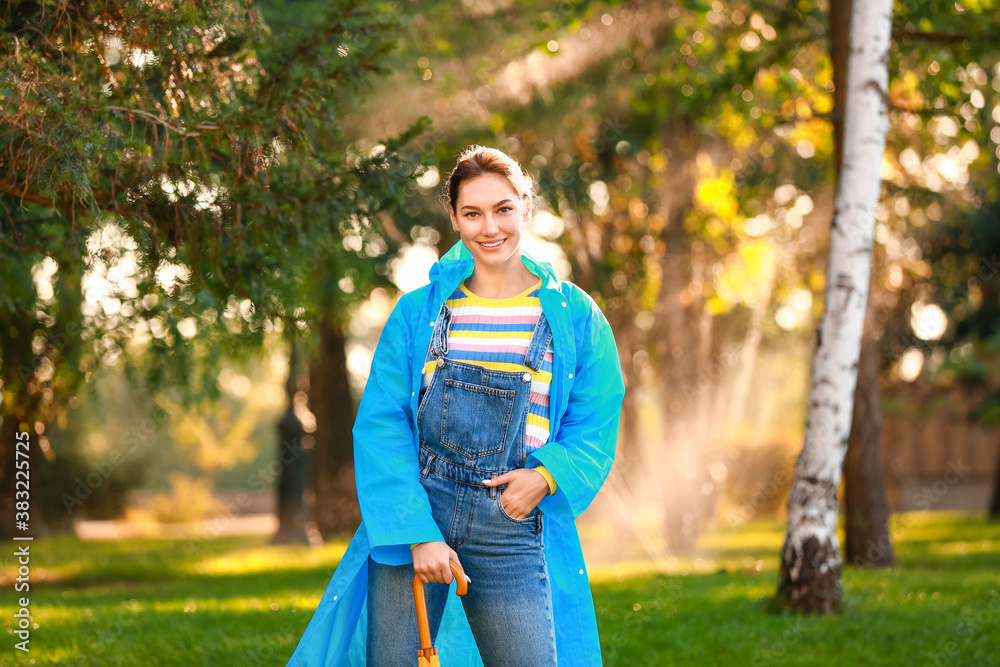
(421, 601)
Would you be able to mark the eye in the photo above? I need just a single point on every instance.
(471, 214)
(504, 209)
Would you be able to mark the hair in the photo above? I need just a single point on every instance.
(479, 160)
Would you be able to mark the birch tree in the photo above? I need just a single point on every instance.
(811, 562)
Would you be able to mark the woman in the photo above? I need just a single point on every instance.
(488, 424)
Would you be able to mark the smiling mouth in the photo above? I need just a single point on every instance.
(492, 244)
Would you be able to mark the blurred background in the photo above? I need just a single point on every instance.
(210, 212)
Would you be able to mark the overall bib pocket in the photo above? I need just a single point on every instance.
(475, 419)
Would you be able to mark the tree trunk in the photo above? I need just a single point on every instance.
(811, 565)
(628, 442)
(840, 38)
(995, 504)
(867, 541)
(675, 343)
(292, 459)
(710, 373)
(13, 411)
(748, 353)
(8, 433)
(671, 312)
(335, 504)
(31, 400)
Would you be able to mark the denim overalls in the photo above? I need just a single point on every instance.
(471, 424)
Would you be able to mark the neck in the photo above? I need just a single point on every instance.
(501, 282)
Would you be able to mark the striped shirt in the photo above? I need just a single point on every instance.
(496, 333)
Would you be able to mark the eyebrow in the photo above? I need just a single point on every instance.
(476, 208)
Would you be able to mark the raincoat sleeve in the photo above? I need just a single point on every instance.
(581, 452)
(394, 505)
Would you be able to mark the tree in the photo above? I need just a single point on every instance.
(292, 456)
(866, 511)
(197, 154)
(811, 565)
(335, 508)
(867, 540)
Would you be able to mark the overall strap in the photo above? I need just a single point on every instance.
(540, 340)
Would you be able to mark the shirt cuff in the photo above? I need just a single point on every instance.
(548, 478)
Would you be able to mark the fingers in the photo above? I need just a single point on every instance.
(513, 513)
(502, 479)
(431, 562)
(433, 575)
(437, 573)
(509, 501)
(454, 557)
(518, 504)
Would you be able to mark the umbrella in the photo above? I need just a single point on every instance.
(427, 656)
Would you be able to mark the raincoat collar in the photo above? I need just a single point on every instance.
(457, 264)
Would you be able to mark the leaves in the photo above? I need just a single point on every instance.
(193, 157)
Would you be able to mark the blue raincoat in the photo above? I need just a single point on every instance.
(585, 404)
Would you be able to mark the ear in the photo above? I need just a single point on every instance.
(454, 222)
(527, 209)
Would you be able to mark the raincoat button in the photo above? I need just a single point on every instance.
(432, 324)
(526, 377)
(564, 304)
(440, 362)
(570, 376)
(581, 571)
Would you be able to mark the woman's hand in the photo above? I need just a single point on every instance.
(525, 489)
(430, 562)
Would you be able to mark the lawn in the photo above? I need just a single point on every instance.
(237, 601)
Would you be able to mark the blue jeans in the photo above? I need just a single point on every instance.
(508, 604)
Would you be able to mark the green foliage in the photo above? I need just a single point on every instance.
(176, 185)
(966, 260)
(937, 220)
(192, 156)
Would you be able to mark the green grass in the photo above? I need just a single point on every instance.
(939, 606)
(237, 601)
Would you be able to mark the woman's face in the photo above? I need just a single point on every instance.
(488, 216)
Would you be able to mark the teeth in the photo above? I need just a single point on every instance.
(494, 244)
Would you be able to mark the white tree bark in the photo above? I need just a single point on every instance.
(811, 564)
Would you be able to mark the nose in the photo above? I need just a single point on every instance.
(490, 226)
